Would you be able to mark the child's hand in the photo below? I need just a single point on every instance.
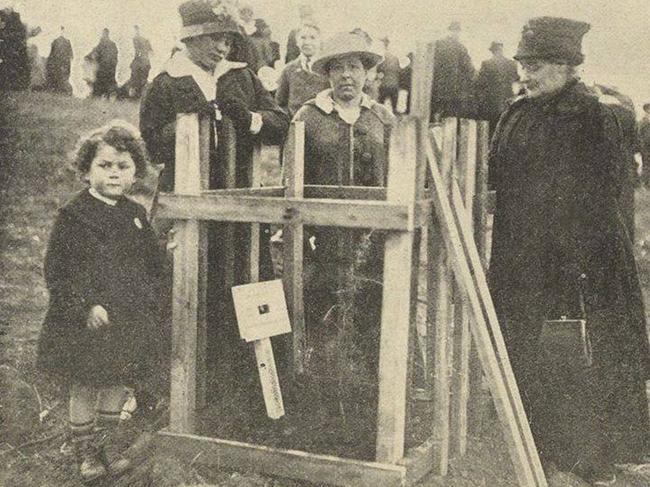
(97, 318)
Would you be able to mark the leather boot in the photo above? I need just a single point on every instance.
(116, 464)
(91, 466)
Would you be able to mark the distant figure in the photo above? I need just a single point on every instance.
(14, 62)
(644, 144)
(268, 51)
(141, 64)
(494, 85)
(389, 73)
(37, 68)
(246, 51)
(306, 14)
(453, 75)
(105, 57)
(298, 82)
(58, 65)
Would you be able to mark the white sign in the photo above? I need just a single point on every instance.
(261, 310)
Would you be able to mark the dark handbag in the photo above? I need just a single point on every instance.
(565, 342)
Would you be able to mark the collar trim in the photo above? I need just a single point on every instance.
(94, 193)
(325, 102)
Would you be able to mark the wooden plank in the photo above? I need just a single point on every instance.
(381, 215)
(481, 195)
(345, 192)
(244, 457)
(186, 279)
(294, 170)
(441, 313)
(276, 191)
(396, 304)
(494, 360)
(228, 141)
(460, 380)
(254, 239)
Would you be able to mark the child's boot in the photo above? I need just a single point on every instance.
(114, 461)
(91, 467)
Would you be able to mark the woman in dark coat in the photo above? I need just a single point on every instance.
(560, 249)
(203, 79)
(346, 140)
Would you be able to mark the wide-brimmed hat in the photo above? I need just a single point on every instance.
(345, 44)
(203, 17)
(553, 39)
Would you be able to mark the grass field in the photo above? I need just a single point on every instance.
(39, 132)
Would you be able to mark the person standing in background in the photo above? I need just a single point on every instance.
(58, 65)
(14, 62)
(306, 15)
(388, 72)
(268, 51)
(494, 85)
(104, 55)
(298, 82)
(141, 64)
(453, 77)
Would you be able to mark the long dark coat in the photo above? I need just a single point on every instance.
(101, 255)
(105, 55)
(340, 154)
(453, 76)
(14, 68)
(493, 88)
(168, 96)
(559, 165)
(644, 147)
(58, 66)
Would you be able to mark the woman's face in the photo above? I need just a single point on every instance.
(539, 77)
(209, 50)
(347, 75)
(112, 172)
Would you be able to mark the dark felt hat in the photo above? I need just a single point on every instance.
(495, 45)
(553, 39)
(203, 17)
(646, 107)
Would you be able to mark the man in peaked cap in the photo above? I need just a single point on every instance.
(202, 78)
(561, 250)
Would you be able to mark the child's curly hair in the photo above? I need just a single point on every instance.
(120, 135)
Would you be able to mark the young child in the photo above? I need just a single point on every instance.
(102, 270)
(298, 83)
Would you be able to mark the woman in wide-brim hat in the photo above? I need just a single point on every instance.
(346, 138)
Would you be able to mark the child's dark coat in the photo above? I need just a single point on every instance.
(101, 255)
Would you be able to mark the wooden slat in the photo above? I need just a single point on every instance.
(418, 462)
(293, 166)
(254, 245)
(493, 357)
(460, 378)
(441, 312)
(325, 212)
(396, 304)
(345, 192)
(186, 303)
(481, 196)
(244, 457)
(276, 191)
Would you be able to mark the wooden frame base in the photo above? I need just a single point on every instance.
(294, 464)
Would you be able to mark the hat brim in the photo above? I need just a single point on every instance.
(190, 31)
(368, 58)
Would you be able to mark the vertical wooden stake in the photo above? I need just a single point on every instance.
(293, 167)
(188, 306)
(440, 313)
(269, 378)
(229, 144)
(396, 304)
(255, 179)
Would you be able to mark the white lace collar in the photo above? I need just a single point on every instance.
(180, 65)
(326, 103)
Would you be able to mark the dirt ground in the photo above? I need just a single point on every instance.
(37, 133)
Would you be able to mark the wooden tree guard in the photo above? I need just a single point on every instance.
(453, 212)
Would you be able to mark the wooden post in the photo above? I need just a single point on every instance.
(460, 379)
(188, 306)
(440, 312)
(255, 179)
(293, 167)
(396, 304)
(229, 144)
(480, 199)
